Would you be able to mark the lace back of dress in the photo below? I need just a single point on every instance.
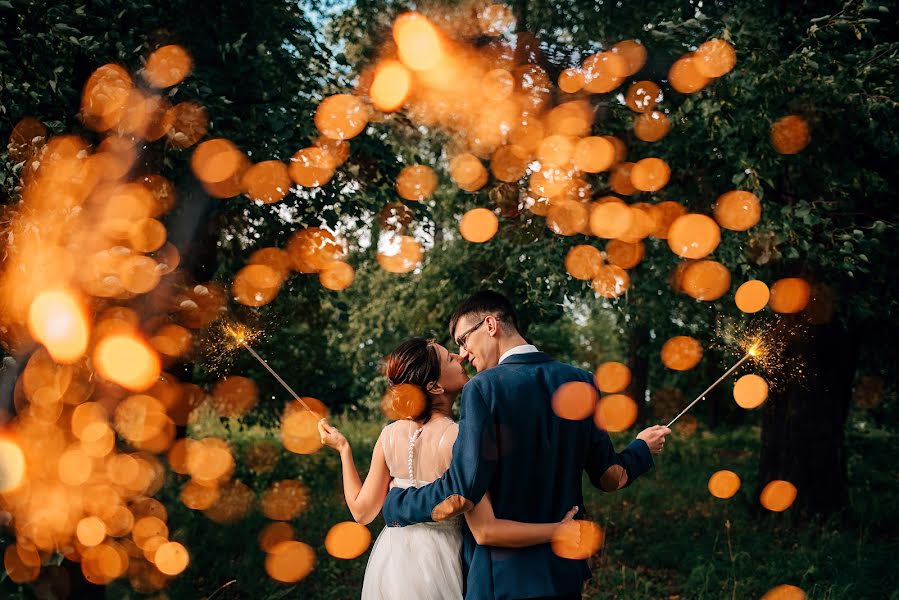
(418, 454)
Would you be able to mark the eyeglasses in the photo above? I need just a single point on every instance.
(464, 337)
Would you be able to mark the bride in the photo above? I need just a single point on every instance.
(422, 561)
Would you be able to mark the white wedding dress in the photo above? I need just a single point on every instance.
(420, 561)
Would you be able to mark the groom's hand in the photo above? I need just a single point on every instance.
(654, 437)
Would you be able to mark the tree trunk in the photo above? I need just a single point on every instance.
(638, 361)
(804, 421)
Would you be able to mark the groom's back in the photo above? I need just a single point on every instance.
(540, 461)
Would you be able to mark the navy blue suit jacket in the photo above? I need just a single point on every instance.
(511, 444)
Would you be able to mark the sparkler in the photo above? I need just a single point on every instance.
(753, 351)
(241, 336)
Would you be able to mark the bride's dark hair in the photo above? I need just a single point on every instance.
(414, 362)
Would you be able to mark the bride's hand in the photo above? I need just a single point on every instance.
(330, 436)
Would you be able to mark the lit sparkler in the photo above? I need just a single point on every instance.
(241, 336)
(754, 350)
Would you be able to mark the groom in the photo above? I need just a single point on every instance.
(511, 444)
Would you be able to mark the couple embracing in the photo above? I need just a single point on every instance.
(471, 506)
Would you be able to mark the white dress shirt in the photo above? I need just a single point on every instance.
(522, 349)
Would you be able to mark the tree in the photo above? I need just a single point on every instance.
(828, 214)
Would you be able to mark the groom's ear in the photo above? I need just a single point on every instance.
(492, 325)
(435, 388)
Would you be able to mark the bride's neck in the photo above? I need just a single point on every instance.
(442, 405)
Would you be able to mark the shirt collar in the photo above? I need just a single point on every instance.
(522, 349)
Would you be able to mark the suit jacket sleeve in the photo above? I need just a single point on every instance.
(609, 470)
(467, 479)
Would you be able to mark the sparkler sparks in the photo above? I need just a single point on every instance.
(762, 342)
(767, 341)
(238, 335)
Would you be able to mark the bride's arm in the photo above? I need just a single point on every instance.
(363, 499)
(490, 531)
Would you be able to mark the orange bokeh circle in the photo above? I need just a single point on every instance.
(347, 540)
(574, 400)
(681, 353)
(615, 412)
(750, 391)
(752, 296)
(724, 484)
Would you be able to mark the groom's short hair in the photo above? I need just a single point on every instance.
(485, 303)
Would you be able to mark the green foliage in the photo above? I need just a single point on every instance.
(665, 535)
(829, 214)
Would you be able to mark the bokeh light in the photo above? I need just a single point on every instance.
(91, 531)
(171, 558)
(575, 400)
(399, 253)
(615, 412)
(267, 182)
(634, 54)
(284, 500)
(275, 533)
(785, 592)
(681, 353)
(611, 281)
(612, 377)
(58, 320)
(603, 72)
(189, 122)
(468, 172)
(403, 401)
(478, 225)
(750, 391)
(714, 58)
(299, 431)
(128, 361)
(418, 41)
(167, 66)
(693, 236)
(643, 96)
(790, 295)
(311, 167)
(594, 154)
(571, 81)
(290, 561)
(778, 495)
(624, 254)
(790, 134)
(234, 502)
(347, 540)
(416, 182)
(685, 77)
(610, 219)
(651, 126)
(752, 296)
(337, 275)
(583, 262)
(234, 396)
(738, 210)
(705, 280)
(724, 484)
(12, 466)
(391, 86)
(579, 542)
(341, 117)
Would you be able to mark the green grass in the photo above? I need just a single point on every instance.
(666, 536)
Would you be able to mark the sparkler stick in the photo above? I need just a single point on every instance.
(240, 338)
(752, 352)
